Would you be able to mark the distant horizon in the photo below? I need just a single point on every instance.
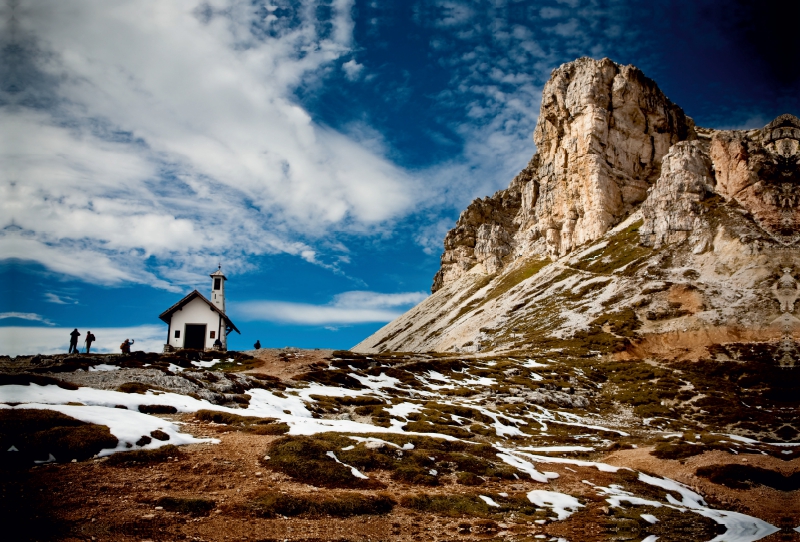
(318, 153)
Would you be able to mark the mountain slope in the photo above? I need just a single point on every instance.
(631, 233)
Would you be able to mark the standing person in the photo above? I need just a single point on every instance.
(257, 346)
(126, 346)
(73, 341)
(89, 340)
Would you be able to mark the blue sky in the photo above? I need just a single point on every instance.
(318, 150)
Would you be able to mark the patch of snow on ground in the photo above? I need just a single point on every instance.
(739, 527)
(373, 441)
(523, 466)
(127, 426)
(376, 383)
(357, 473)
(563, 505)
(558, 448)
(402, 410)
(602, 467)
(488, 500)
(531, 364)
(650, 518)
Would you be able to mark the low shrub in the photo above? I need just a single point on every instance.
(468, 479)
(331, 378)
(746, 476)
(193, 507)
(158, 434)
(414, 474)
(268, 429)
(39, 433)
(135, 387)
(677, 450)
(228, 418)
(143, 457)
(249, 424)
(337, 505)
(305, 459)
(26, 380)
(157, 409)
(447, 505)
(359, 401)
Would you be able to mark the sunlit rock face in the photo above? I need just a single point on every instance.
(760, 169)
(602, 132)
(630, 233)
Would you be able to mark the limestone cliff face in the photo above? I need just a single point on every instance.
(630, 233)
(602, 132)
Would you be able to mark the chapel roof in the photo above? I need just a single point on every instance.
(167, 314)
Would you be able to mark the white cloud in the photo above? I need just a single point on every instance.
(346, 308)
(26, 316)
(50, 297)
(352, 70)
(172, 133)
(20, 341)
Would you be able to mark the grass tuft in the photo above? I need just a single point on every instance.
(144, 457)
(342, 505)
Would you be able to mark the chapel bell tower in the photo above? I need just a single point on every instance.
(218, 289)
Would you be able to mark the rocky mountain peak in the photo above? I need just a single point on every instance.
(630, 233)
(602, 131)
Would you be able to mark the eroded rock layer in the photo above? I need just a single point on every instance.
(631, 232)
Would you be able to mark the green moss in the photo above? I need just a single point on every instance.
(306, 460)
(508, 280)
(447, 505)
(622, 249)
(274, 504)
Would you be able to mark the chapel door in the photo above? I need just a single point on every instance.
(195, 336)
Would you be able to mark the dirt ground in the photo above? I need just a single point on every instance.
(288, 362)
(95, 500)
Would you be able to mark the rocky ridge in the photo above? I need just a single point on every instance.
(631, 232)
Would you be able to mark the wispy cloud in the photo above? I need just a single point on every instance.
(50, 297)
(26, 316)
(175, 136)
(19, 341)
(354, 307)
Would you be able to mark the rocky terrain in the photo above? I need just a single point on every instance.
(609, 353)
(350, 447)
(630, 225)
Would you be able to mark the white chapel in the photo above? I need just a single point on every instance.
(195, 322)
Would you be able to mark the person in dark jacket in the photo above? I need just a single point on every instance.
(257, 346)
(73, 341)
(126, 346)
(89, 340)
